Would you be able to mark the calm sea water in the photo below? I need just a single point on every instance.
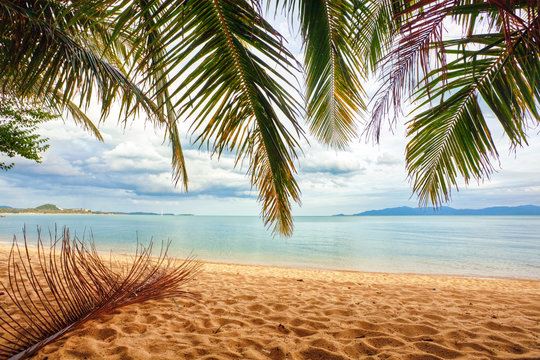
(490, 246)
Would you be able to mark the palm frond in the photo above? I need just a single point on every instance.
(374, 28)
(417, 46)
(409, 59)
(156, 53)
(78, 115)
(46, 57)
(333, 71)
(496, 61)
(452, 139)
(54, 290)
(80, 57)
(231, 74)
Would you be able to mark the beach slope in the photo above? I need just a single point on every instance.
(251, 312)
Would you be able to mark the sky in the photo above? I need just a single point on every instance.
(131, 171)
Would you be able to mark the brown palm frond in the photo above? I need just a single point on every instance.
(519, 16)
(51, 291)
(409, 59)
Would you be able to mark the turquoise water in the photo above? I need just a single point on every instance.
(484, 246)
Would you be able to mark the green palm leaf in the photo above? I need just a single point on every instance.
(333, 69)
(77, 59)
(451, 139)
(497, 67)
(155, 53)
(229, 76)
(374, 28)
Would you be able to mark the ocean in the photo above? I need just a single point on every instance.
(479, 246)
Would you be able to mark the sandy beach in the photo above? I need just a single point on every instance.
(252, 312)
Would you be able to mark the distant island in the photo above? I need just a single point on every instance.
(45, 209)
(53, 209)
(448, 211)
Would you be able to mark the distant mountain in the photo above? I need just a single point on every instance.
(44, 209)
(445, 210)
(51, 207)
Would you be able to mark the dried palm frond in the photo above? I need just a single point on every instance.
(51, 291)
(409, 59)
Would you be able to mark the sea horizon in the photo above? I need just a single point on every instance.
(472, 246)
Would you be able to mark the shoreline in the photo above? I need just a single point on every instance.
(4, 214)
(273, 313)
(314, 269)
(56, 213)
(7, 243)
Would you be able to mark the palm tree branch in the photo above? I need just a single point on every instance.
(453, 136)
(51, 57)
(374, 29)
(78, 115)
(417, 38)
(69, 284)
(334, 92)
(157, 53)
(230, 81)
(268, 171)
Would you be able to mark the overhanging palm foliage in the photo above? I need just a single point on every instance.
(52, 291)
(222, 68)
(492, 70)
(333, 69)
(453, 137)
(228, 71)
(420, 35)
(61, 54)
(234, 95)
(217, 63)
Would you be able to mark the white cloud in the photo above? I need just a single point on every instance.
(130, 155)
(318, 160)
(389, 159)
(131, 171)
(52, 164)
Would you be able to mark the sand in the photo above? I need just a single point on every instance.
(252, 312)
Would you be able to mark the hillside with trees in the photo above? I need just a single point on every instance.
(46, 209)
